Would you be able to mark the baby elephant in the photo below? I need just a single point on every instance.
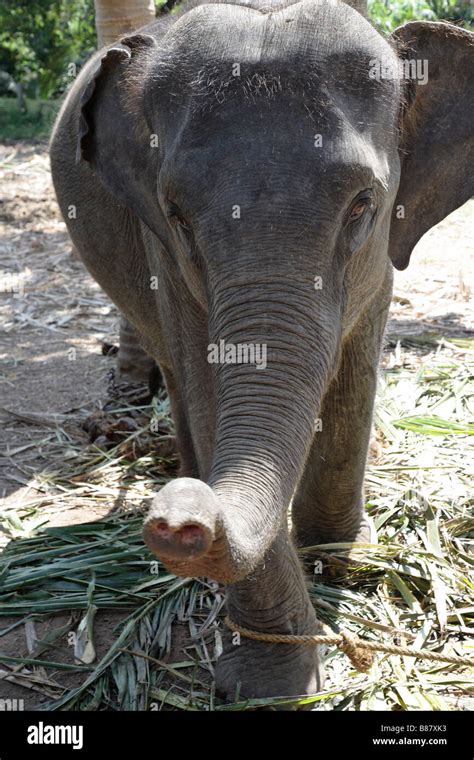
(240, 178)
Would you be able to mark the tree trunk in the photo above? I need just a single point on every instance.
(116, 17)
(359, 5)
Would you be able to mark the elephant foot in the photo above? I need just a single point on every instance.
(335, 566)
(134, 367)
(364, 533)
(250, 669)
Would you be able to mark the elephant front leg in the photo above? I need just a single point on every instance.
(133, 362)
(328, 505)
(273, 600)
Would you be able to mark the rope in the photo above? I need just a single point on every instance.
(359, 651)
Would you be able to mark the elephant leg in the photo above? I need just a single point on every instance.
(328, 505)
(188, 465)
(274, 599)
(133, 362)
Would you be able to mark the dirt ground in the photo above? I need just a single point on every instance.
(55, 320)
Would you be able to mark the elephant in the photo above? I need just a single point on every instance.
(241, 178)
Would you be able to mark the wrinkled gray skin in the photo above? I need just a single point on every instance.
(246, 436)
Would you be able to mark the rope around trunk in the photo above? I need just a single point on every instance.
(359, 651)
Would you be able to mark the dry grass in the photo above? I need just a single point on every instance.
(416, 585)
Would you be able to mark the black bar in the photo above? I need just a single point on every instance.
(118, 734)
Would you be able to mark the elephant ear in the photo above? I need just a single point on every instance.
(113, 136)
(436, 150)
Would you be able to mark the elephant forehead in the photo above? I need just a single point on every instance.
(262, 118)
(319, 53)
(301, 37)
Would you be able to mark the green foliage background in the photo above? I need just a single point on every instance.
(40, 38)
(388, 14)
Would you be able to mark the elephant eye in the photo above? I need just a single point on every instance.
(357, 210)
(184, 233)
(359, 207)
(360, 219)
(176, 218)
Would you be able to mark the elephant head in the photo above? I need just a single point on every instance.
(279, 161)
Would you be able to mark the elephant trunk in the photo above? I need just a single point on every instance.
(273, 346)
